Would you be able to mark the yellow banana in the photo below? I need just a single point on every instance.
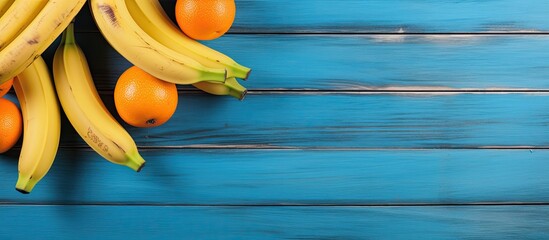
(142, 50)
(41, 124)
(152, 18)
(85, 109)
(44, 28)
(17, 17)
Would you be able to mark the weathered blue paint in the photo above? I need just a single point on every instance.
(135, 222)
(387, 16)
(363, 62)
(295, 177)
(380, 127)
(391, 16)
(349, 120)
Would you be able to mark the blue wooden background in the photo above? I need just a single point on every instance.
(365, 119)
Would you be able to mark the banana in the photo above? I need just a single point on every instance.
(85, 109)
(41, 124)
(17, 17)
(230, 87)
(142, 50)
(152, 18)
(4, 5)
(31, 42)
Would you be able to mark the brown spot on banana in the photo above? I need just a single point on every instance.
(33, 41)
(107, 9)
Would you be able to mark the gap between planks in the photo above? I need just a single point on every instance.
(365, 205)
(365, 90)
(359, 90)
(300, 148)
(400, 31)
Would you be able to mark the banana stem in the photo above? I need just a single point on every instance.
(235, 89)
(68, 35)
(25, 184)
(231, 87)
(240, 71)
(214, 76)
(135, 161)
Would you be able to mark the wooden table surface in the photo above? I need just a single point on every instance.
(365, 119)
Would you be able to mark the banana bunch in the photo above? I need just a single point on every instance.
(142, 32)
(28, 28)
(139, 30)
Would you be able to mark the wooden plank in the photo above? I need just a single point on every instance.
(123, 222)
(347, 121)
(358, 62)
(290, 177)
(379, 16)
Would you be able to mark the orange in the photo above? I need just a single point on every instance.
(205, 19)
(143, 100)
(11, 124)
(5, 87)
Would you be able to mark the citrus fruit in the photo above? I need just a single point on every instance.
(11, 124)
(205, 20)
(5, 87)
(143, 100)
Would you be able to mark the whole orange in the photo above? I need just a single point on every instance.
(205, 19)
(143, 100)
(5, 87)
(11, 124)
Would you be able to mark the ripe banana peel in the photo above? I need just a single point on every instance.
(85, 109)
(41, 124)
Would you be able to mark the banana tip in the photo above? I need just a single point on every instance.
(247, 75)
(140, 167)
(243, 95)
(23, 191)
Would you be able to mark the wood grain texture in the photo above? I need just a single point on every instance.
(378, 119)
(390, 16)
(363, 63)
(126, 222)
(379, 16)
(290, 177)
(347, 121)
